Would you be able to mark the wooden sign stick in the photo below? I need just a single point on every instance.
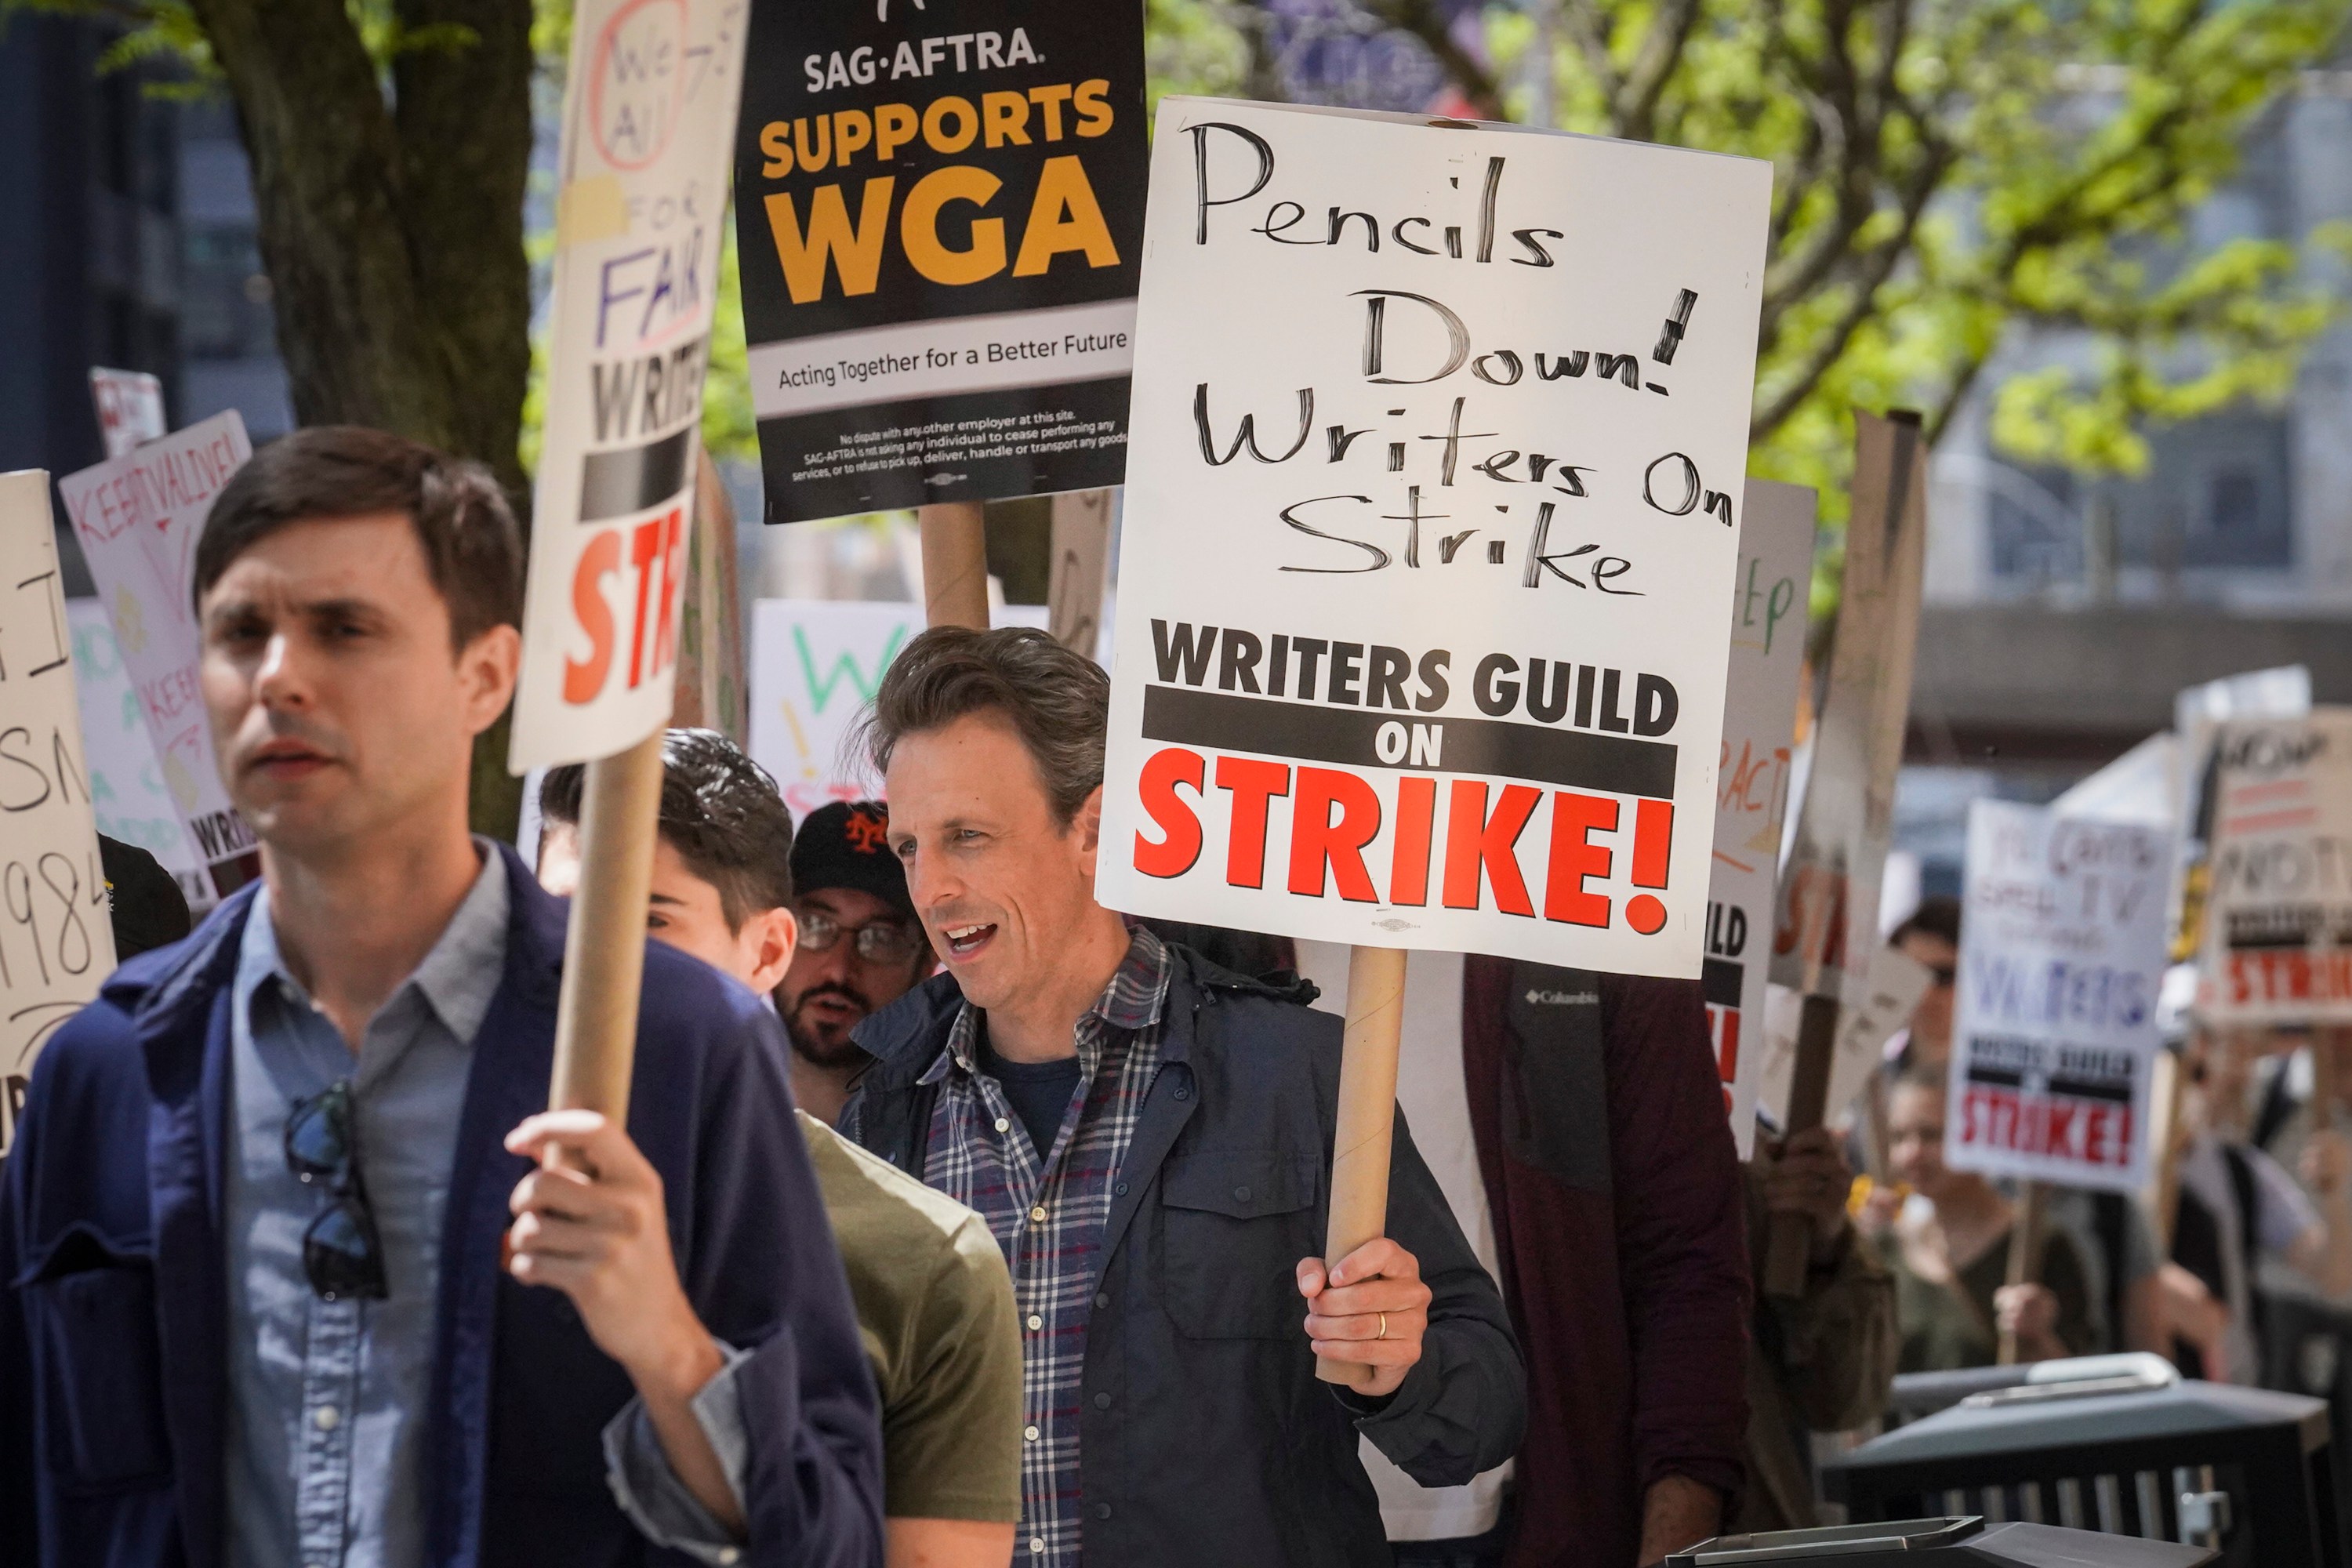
(955, 565)
(1366, 1118)
(2170, 1085)
(2024, 1249)
(2322, 1076)
(605, 948)
(620, 821)
(1789, 1237)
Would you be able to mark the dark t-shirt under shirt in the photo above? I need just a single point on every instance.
(1040, 1094)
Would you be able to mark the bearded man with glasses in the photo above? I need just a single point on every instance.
(861, 947)
(291, 1274)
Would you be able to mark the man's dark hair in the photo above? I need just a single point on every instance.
(719, 810)
(472, 546)
(1057, 702)
(1938, 915)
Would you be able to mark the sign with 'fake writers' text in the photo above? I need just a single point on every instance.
(1435, 465)
(648, 120)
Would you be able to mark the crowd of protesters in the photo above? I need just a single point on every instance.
(958, 1220)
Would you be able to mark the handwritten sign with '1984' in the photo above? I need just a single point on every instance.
(56, 943)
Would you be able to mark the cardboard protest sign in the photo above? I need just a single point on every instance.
(126, 782)
(2198, 714)
(1081, 546)
(2142, 785)
(649, 119)
(129, 407)
(2062, 954)
(938, 213)
(1829, 889)
(1760, 721)
(816, 665)
(1872, 1006)
(56, 941)
(136, 518)
(1430, 530)
(2278, 923)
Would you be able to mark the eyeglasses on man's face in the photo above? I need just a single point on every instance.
(876, 942)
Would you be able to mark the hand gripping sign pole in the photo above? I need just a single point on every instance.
(1828, 923)
(2024, 1255)
(648, 123)
(1395, 666)
(1366, 1119)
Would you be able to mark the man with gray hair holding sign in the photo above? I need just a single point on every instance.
(1150, 1138)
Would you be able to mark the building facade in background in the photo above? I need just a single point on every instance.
(135, 248)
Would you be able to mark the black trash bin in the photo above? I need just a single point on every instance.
(1965, 1542)
(2244, 1469)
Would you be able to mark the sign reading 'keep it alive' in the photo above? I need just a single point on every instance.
(1438, 451)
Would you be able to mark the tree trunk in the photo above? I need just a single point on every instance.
(392, 233)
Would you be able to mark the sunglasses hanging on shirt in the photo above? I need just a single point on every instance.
(342, 1254)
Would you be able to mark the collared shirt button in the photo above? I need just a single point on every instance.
(1037, 1215)
(1102, 1401)
(1037, 1545)
(326, 1417)
(1003, 1125)
(1030, 1433)
(730, 1554)
(1035, 1322)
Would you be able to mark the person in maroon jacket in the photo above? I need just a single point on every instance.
(1619, 1225)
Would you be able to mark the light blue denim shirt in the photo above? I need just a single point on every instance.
(326, 1410)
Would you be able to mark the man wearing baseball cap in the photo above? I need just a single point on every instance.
(861, 947)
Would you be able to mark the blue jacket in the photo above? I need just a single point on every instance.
(1204, 1437)
(113, 1296)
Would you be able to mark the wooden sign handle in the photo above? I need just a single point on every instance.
(2324, 1045)
(605, 948)
(1366, 1118)
(955, 565)
(1788, 1238)
(2024, 1254)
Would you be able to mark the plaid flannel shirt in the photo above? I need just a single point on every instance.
(1048, 1216)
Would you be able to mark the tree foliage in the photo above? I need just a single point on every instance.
(1945, 173)
(390, 142)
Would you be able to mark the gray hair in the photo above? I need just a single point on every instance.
(1057, 702)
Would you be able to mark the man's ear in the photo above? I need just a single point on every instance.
(487, 668)
(1087, 826)
(779, 934)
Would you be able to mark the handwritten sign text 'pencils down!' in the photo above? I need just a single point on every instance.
(1437, 452)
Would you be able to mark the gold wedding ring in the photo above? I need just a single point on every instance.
(1384, 1327)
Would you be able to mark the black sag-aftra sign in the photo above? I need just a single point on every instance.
(939, 211)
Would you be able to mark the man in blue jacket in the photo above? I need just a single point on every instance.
(253, 1306)
(1150, 1138)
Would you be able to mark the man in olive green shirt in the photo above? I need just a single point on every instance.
(934, 1300)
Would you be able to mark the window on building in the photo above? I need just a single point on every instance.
(2234, 501)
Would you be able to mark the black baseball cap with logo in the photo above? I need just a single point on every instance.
(847, 845)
